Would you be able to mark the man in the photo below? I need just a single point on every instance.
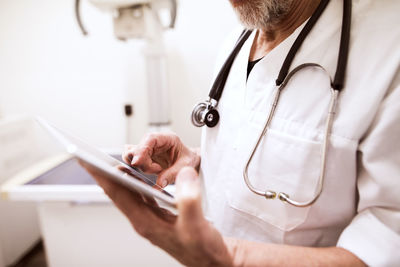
(355, 221)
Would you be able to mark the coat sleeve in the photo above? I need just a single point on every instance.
(374, 233)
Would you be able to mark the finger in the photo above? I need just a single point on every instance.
(127, 154)
(150, 200)
(156, 144)
(188, 195)
(142, 158)
(148, 220)
(151, 154)
(128, 146)
(132, 153)
(161, 142)
(109, 187)
(144, 150)
(138, 209)
(150, 167)
(167, 177)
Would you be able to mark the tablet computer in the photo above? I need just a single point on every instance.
(118, 171)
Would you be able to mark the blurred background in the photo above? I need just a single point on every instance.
(82, 84)
(48, 68)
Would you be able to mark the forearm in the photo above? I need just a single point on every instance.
(245, 253)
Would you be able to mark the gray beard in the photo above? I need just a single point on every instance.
(262, 14)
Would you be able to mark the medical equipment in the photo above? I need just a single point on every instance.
(144, 19)
(50, 198)
(205, 113)
(19, 225)
(134, 18)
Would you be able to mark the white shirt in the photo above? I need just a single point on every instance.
(359, 208)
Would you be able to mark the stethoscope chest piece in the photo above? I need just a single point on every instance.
(211, 118)
(204, 113)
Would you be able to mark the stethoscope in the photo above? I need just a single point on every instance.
(205, 113)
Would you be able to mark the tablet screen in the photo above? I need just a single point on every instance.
(71, 172)
(148, 179)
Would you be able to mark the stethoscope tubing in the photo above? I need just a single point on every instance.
(270, 194)
(205, 112)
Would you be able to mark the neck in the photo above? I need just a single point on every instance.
(267, 39)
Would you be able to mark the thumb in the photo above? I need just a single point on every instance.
(188, 195)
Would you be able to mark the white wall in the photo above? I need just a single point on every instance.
(80, 83)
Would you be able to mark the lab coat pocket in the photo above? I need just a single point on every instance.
(282, 163)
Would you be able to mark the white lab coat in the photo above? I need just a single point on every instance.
(359, 208)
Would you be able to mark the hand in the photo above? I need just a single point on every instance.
(191, 239)
(187, 237)
(162, 154)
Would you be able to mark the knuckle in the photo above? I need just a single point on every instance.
(145, 149)
(176, 136)
(173, 136)
(177, 141)
(170, 178)
(127, 154)
(141, 154)
(152, 135)
(189, 239)
(128, 146)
